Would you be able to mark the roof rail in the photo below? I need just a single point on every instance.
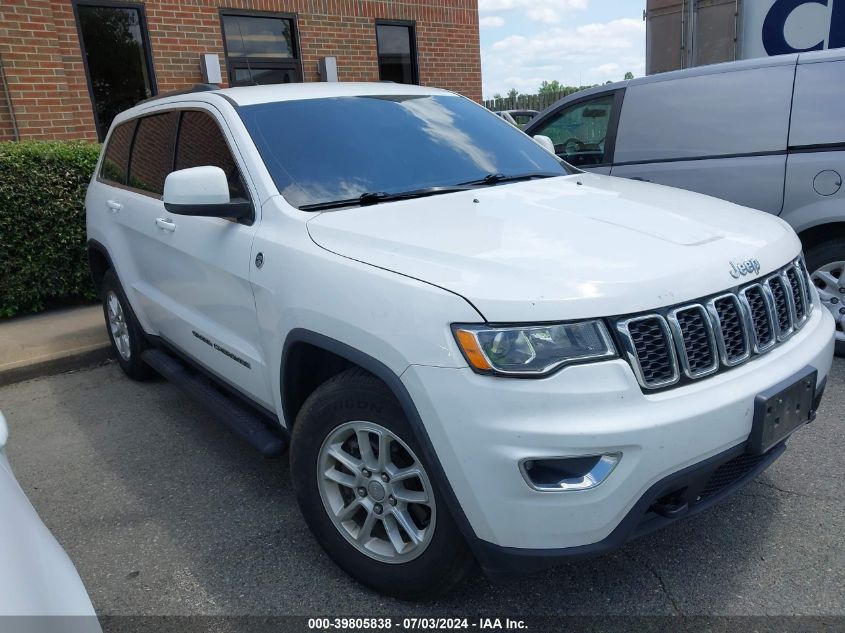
(194, 88)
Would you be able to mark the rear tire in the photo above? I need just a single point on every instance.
(826, 264)
(127, 338)
(398, 537)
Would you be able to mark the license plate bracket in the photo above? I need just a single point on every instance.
(782, 409)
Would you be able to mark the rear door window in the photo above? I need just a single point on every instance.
(152, 152)
(201, 142)
(704, 116)
(116, 156)
(817, 115)
(580, 131)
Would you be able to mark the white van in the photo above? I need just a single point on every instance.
(765, 133)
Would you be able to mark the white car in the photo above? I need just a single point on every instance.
(475, 351)
(36, 576)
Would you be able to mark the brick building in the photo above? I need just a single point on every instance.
(68, 66)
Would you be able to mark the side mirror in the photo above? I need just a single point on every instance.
(543, 141)
(203, 191)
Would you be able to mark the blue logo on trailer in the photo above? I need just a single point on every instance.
(774, 39)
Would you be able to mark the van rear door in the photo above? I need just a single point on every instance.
(719, 133)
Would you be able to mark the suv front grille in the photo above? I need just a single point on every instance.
(698, 339)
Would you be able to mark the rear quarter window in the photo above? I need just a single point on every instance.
(738, 112)
(116, 155)
(817, 109)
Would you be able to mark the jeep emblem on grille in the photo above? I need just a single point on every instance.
(747, 267)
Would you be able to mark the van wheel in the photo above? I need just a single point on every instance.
(127, 338)
(826, 263)
(366, 492)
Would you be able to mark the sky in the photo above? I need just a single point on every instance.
(577, 42)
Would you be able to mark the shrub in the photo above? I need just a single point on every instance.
(42, 224)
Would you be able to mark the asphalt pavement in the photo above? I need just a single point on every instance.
(163, 511)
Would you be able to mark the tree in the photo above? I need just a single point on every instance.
(629, 75)
(513, 93)
(497, 96)
(550, 87)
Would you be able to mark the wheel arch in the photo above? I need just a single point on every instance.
(302, 339)
(99, 261)
(818, 233)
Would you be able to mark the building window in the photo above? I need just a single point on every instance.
(115, 48)
(261, 48)
(397, 52)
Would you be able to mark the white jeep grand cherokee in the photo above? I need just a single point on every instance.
(475, 351)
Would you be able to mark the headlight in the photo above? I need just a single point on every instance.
(532, 350)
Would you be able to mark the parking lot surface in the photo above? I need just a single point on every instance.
(165, 512)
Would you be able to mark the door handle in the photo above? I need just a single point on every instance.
(165, 225)
(114, 205)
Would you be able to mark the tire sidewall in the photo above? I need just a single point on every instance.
(321, 417)
(134, 367)
(825, 253)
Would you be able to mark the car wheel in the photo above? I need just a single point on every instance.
(367, 494)
(127, 337)
(826, 263)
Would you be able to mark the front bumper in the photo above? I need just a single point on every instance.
(482, 427)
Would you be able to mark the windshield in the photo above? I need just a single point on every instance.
(325, 150)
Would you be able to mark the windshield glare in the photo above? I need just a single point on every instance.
(324, 150)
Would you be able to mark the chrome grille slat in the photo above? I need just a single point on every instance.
(730, 326)
(760, 316)
(781, 301)
(696, 344)
(699, 338)
(650, 351)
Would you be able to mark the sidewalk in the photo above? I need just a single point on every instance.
(52, 342)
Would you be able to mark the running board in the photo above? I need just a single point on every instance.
(244, 421)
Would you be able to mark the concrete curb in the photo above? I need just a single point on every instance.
(67, 360)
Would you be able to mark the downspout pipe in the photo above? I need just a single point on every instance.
(9, 101)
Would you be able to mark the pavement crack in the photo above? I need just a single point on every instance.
(663, 588)
(783, 490)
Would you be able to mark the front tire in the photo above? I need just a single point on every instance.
(365, 490)
(826, 264)
(127, 337)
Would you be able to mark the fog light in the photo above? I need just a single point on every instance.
(568, 473)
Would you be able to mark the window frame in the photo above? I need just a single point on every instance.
(148, 51)
(236, 155)
(612, 125)
(412, 30)
(294, 63)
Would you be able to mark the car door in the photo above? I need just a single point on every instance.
(134, 245)
(583, 131)
(722, 133)
(816, 162)
(204, 301)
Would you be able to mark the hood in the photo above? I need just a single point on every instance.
(562, 248)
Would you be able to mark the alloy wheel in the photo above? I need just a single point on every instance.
(830, 282)
(376, 492)
(117, 325)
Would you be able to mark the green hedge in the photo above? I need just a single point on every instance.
(42, 224)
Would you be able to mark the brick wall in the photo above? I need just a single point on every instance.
(40, 51)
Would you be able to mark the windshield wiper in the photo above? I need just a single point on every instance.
(495, 179)
(376, 197)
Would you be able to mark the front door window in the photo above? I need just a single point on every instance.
(579, 132)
